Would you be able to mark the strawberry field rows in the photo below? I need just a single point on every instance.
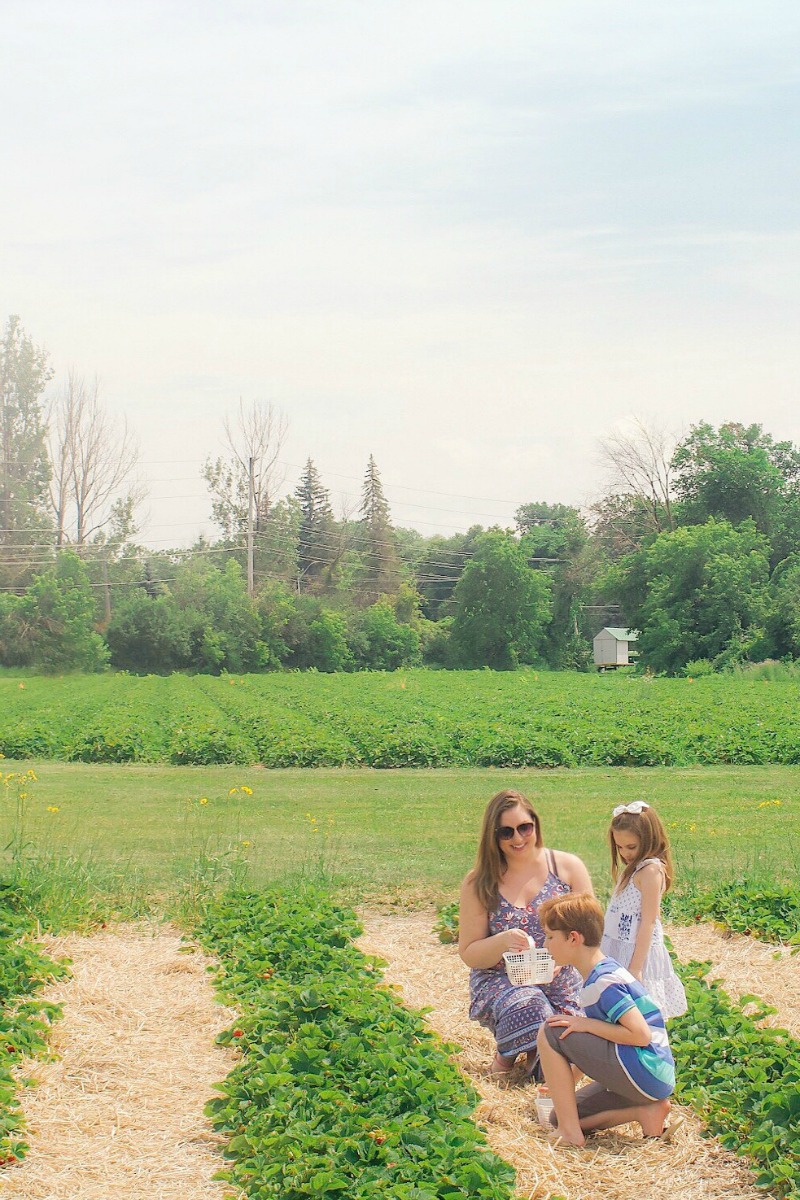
(412, 719)
(340, 1091)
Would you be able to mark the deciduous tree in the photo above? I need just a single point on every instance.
(502, 606)
(24, 464)
(638, 458)
(739, 472)
(701, 591)
(258, 432)
(92, 466)
(62, 609)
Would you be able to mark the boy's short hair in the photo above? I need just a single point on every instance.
(577, 911)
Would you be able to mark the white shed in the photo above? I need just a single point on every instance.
(612, 647)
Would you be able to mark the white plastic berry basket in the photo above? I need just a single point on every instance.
(529, 966)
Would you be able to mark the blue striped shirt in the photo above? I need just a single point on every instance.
(608, 993)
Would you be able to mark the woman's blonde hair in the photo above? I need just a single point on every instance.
(653, 843)
(491, 863)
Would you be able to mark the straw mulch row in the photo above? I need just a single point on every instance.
(746, 966)
(120, 1112)
(615, 1165)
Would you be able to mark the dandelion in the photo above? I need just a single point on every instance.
(246, 844)
(204, 799)
(53, 808)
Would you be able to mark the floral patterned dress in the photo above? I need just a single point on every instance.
(515, 1014)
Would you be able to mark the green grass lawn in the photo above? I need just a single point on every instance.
(405, 835)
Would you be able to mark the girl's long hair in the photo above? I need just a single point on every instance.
(653, 843)
(490, 865)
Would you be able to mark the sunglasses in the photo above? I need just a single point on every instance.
(506, 832)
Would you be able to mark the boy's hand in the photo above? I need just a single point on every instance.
(576, 1024)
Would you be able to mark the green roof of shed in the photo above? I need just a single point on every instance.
(622, 635)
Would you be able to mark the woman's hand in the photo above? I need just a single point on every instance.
(515, 940)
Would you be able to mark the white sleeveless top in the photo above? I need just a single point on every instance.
(623, 917)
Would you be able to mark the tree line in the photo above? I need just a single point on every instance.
(696, 544)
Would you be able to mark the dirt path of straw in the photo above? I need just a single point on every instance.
(120, 1113)
(616, 1166)
(745, 966)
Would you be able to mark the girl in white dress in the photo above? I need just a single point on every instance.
(641, 865)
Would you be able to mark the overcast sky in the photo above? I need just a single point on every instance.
(467, 238)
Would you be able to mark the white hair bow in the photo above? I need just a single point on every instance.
(637, 807)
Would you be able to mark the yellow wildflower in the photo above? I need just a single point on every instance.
(204, 799)
(52, 808)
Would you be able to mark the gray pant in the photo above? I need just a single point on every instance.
(597, 1058)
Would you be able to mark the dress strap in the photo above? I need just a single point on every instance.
(646, 863)
(551, 862)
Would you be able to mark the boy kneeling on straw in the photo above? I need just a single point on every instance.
(621, 1043)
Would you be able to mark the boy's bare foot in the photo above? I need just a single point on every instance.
(559, 1138)
(653, 1118)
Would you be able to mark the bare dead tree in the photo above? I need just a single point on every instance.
(93, 460)
(638, 461)
(258, 432)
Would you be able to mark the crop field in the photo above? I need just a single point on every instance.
(406, 719)
(125, 806)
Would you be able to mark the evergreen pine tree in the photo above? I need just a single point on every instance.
(381, 573)
(316, 548)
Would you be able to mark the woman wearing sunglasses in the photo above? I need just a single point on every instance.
(514, 873)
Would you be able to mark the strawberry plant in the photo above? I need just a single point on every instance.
(24, 1021)
(417, 719)
(767, 911)
(446, 923)
(742, 1077)
(341, 1091)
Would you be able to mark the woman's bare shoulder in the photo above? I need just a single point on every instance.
(572, 870)
(565, 858)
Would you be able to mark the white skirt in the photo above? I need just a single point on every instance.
(658, 975)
